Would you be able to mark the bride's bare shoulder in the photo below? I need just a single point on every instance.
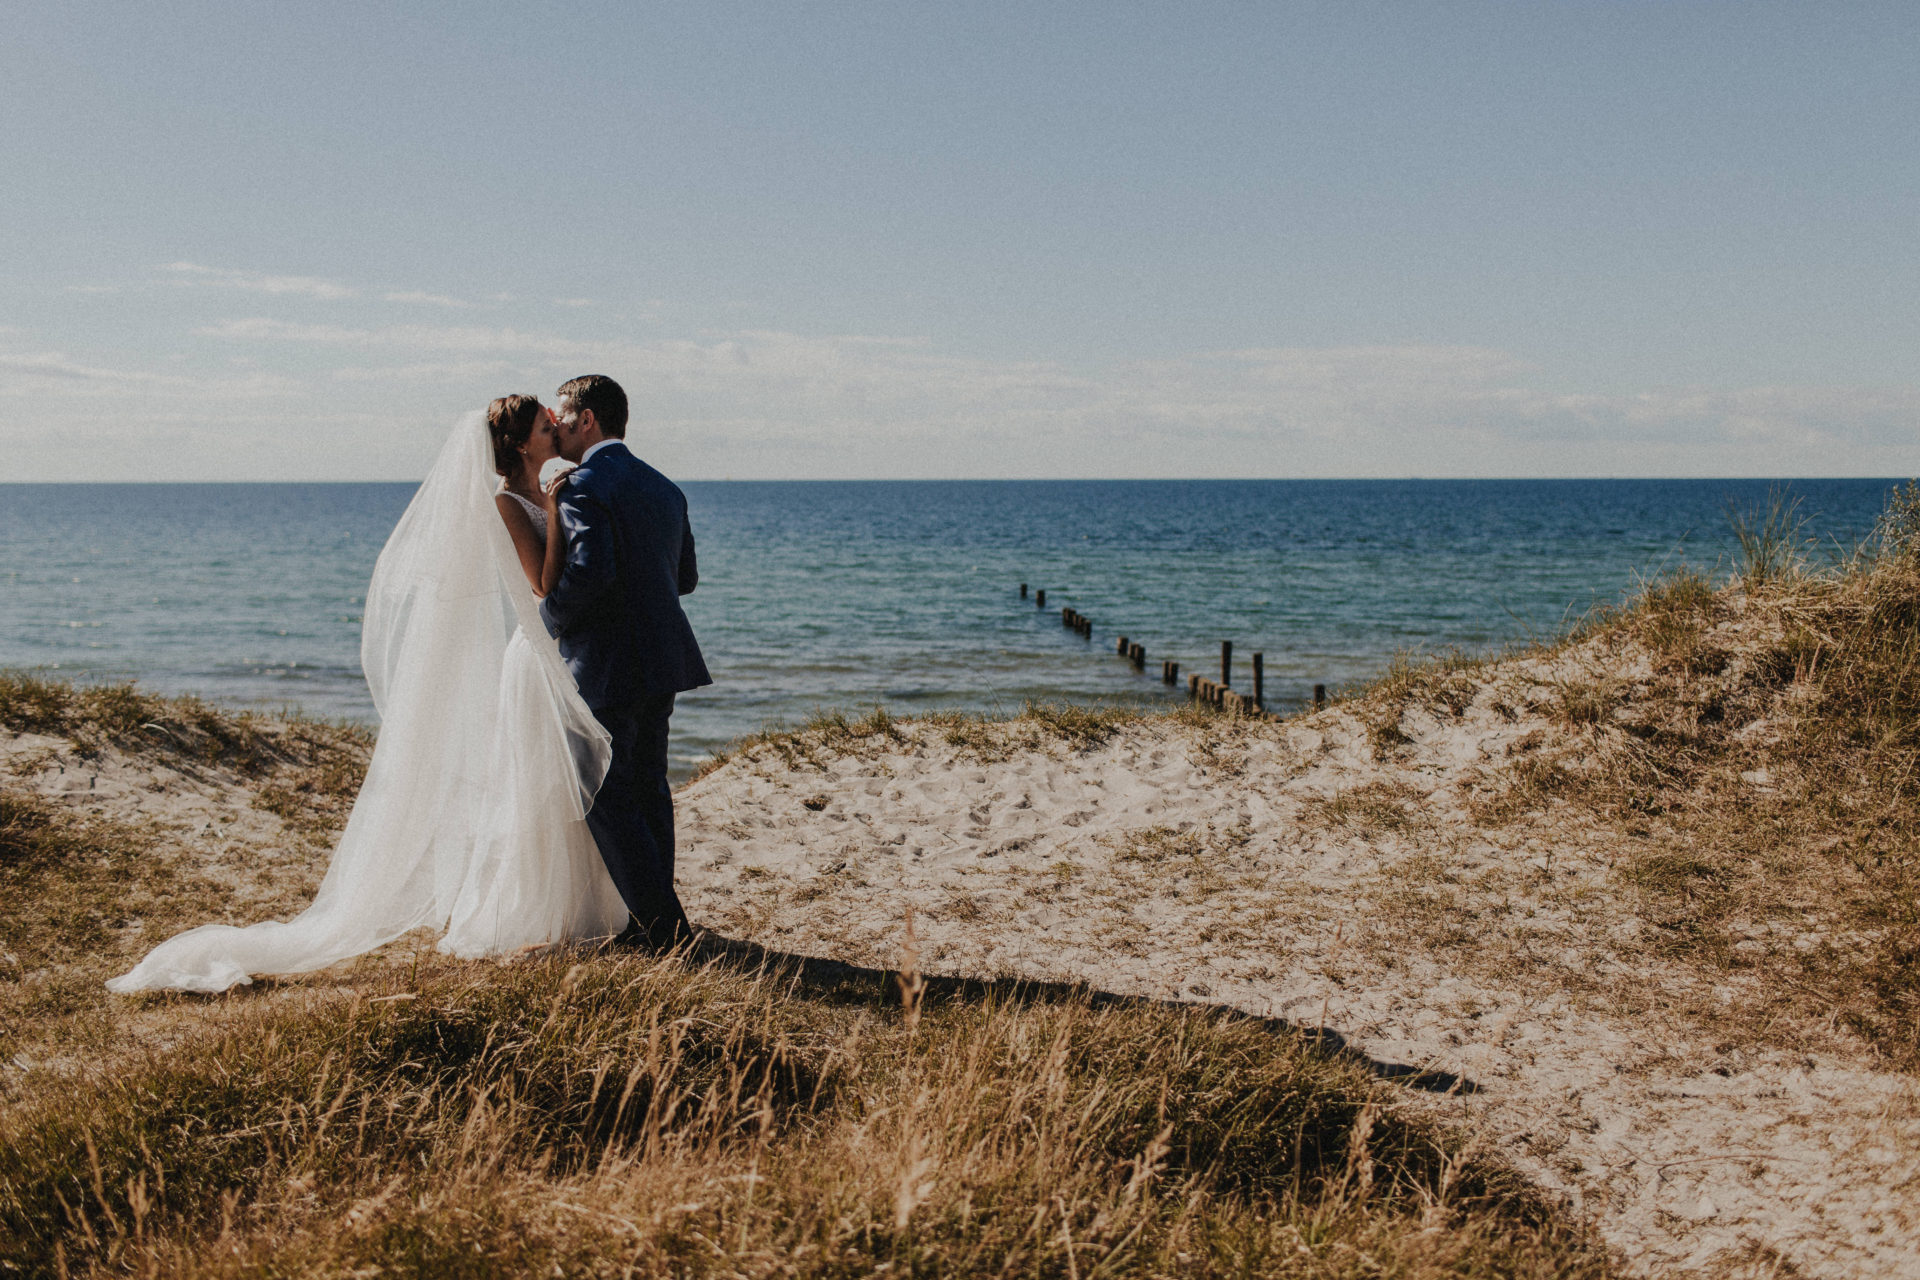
(512, 510)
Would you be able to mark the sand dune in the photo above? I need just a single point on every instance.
(1295, 869)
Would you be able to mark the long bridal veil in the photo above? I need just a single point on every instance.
(483, 739)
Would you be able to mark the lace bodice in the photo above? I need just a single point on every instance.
(535, 512)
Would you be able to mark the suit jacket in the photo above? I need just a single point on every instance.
(616, 607)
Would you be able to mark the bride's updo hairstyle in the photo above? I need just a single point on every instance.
(509, 422)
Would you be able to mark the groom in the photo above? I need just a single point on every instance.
(616, 613)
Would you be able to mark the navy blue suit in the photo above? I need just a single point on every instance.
(616, 614)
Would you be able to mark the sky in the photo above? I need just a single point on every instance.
(948, 240)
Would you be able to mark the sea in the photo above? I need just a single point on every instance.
(823, 596)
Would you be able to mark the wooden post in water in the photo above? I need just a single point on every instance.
(1040, 598)
(1319, 696)
(1226, 663)
(1086, 628)
(1259, 681)
(1023, 591)
(1120, 646)
(1170, 673)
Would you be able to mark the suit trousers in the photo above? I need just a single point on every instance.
(632, 817)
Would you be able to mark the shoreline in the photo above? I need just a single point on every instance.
(835, 599)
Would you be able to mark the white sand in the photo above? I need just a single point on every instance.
(203, 811)
(1204, 864)
(246, 864)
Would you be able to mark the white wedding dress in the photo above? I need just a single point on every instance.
(471, 820)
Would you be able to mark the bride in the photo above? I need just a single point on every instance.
(471, 820)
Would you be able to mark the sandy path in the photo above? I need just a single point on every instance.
(1285, 871)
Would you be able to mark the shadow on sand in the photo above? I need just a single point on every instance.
(838, 980)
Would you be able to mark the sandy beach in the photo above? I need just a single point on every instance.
(1296, 870)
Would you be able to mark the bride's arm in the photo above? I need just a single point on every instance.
(588, 568)
(533, 553)
(556, 552)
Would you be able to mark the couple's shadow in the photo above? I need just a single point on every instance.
(837, 980)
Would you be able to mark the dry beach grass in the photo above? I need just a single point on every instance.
(583, 1116)
(1645, 897)
(125, 817)
(736, 1112)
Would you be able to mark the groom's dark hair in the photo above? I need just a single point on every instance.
(602, 395)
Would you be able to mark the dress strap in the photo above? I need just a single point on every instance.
(534, 509)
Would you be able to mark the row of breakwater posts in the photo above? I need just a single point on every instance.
(1213, 693)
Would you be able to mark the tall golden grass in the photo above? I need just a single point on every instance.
(603, 1116)
(1750, 751)
(185, 731)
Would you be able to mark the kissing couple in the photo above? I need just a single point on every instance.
(523, 643)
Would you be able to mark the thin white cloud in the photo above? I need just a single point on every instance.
(261, 328)
(771, 403)
(254, 282)
(202, 275)
(415, 296)
(41, 371)
(51, 364)
(1362, 409)
(573, 302)
(399, 339)
(442, 372)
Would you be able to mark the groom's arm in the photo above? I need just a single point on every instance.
(587, 573)
(689, 567)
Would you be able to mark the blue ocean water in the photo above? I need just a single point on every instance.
(848, 595)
